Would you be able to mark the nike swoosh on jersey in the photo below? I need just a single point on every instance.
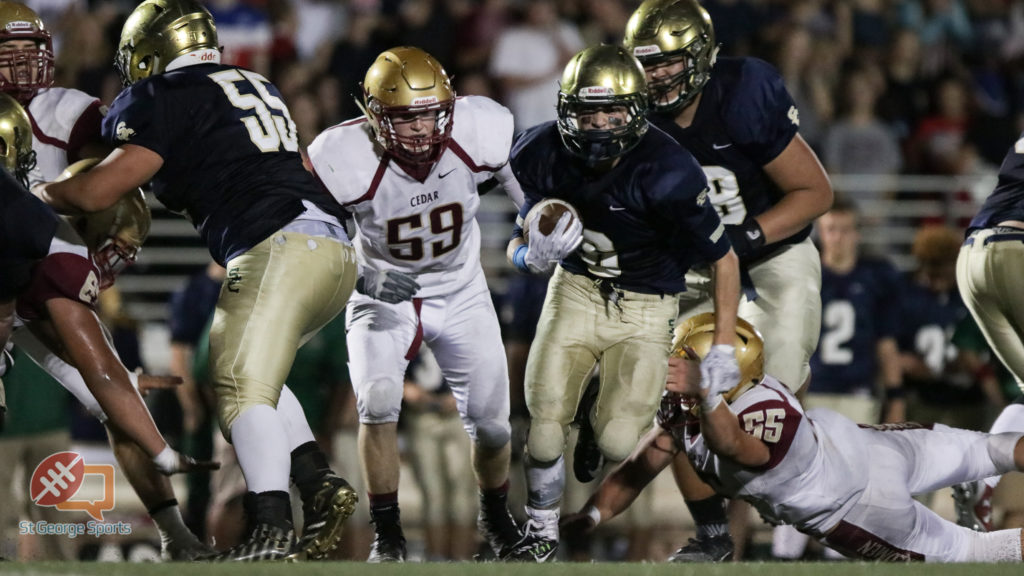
(721, 146)
(439, 176)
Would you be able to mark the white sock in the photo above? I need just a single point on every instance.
(1011, 419)
(545, 484)
(171, 526)
(294, 419)
(261, 443)
(788, 543)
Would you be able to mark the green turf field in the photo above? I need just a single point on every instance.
(474, 569)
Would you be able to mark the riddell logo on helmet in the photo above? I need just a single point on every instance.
(20, 26)
(424, 100)
(596, 92)
(646, 50)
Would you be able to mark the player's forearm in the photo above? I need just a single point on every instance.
(619, 489)
(511, 186)
(794, 212)
(725, 274)
(723, 435)
(894, 404)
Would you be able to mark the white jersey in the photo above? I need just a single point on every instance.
(815, 473)
(56, 115)
(427, 229)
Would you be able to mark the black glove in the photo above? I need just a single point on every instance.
(747, 238)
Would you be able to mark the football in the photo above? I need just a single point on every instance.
(549, 211)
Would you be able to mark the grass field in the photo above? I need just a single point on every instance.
(474, 569)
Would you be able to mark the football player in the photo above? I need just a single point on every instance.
(646, 215)
(738, 120)
(850, 486)
(234, 168)
(84, 257)
(411, 172)
(989, 262)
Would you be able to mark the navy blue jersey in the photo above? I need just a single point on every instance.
(230, 151)
(929, 321)
(1007, 201)
(857, 310)
(27, 226)
(744, 120)
(647, 220)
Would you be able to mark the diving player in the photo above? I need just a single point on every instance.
(647, 218)
(234, 168)
(737, 119)
(411, 172)
(850, 486)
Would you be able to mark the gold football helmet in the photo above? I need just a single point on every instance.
(693, 339)
(667, 31)
(25, 71)
(16, 139)
(157, 32)
(115, 235)
(404, 82)
(602, 78)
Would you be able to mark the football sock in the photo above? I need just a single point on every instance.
(545, 483)
(494, 498)
(169, 523)
(273, 507)
(384, 508)
(261, 444)
(709, 516)
(309, 465)
(294, 419)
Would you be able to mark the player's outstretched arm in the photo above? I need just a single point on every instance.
(123, 170)
(81, 335)
(621, 487)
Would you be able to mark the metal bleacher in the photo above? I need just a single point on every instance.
(891, 208)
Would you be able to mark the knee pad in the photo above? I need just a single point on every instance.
(379, 401)
(618, 439)
(490, 433)
(546, 441)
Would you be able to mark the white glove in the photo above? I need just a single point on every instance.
(545, 251)
(390, 286)
(170, 461)
(719, 371)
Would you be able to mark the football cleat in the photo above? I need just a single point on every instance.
(707, 549)
(973, 503)
(499, 529)
(324, 515)
(266, 542)
(540, 538)
(184, 551)
(389, 540)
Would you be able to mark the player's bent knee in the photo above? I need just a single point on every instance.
(618, 439)
(233, 407)
(379, 402)
(547, 440)
(490, 434)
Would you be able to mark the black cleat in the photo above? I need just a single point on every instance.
(266, 542)
(710, 549)
(324, 515)
(499, 529)
(587, 459)
(540, 538)
(389, 541)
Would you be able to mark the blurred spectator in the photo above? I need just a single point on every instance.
(37, 426)
(905, 99)
(351, 56)
(859, 142)
(528, 59)
(437, 449)
(942, 380)
(245, 32)
(477, 31)
(944, 29)
(736, 25)
(937, 144)
(800, 62)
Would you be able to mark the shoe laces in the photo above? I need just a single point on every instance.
(542, 525)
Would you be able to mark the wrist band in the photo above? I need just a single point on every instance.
(895, 393)
(519, 258)
(167, 460)
(594, 514)
(710, 402)
(133, 377)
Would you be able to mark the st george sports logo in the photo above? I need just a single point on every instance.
(58, 478)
